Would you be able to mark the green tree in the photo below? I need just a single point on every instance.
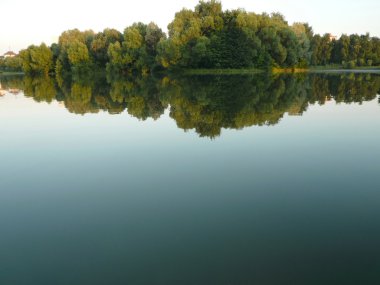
(11, 63)
(37, 59)
(304, 37)
(78, 54)
(322, 49)
(138, 50)
(74, 55)
(101, 43)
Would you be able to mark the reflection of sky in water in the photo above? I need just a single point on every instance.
(109, 199)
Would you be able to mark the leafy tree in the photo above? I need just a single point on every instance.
(11, 63)
(138, 50)
(322, 49)
(304, 36)
(78, 54)
(37, 59)
(101, 43)
(74, 55)
(168, 53)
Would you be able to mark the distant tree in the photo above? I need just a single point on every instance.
(37, 59)
(304, 37)
(101, 43)
(74, 55)
(354, 48)
(168, 53)
(11, 64)
(138, 50)
(341, 50)
(322, 49)
(78, 55)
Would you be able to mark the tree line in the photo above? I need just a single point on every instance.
(204, 37)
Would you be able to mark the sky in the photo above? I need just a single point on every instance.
(25, 22)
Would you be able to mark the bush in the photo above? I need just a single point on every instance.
(349, 64)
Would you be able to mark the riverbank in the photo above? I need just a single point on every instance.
(9, 73)
(226, 71)
(340, 69)
(329, 69)
(312, 69)
(243, 71)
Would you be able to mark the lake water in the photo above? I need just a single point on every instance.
(190, 180)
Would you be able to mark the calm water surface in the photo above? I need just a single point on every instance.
(199, 180)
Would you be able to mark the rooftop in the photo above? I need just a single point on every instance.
(9, 53)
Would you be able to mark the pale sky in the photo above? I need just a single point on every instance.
(25, 22)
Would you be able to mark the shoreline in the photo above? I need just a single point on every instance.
(344, 71)
(247, 71)
(333, 69)
(9, 73)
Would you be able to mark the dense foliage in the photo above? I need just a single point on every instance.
(206, 37)
(11, 64)
(37, 59)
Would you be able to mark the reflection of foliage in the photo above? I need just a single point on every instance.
(78, 100)
(42, 89)
(206, 104)
(12, 82)
(355, 89)
(141, 96)
(345, 88)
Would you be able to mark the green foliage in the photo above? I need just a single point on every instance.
(355, 50)
(11, 64)
(101, 43)
(138, 50)
(73, 51)
(322, 49)
(77, 54)
(304, 36)
(37, 59)
(203, 38)
(168, 53)
(209, 37)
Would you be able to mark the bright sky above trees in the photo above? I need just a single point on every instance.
(26, 22)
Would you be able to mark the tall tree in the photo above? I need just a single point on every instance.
(37, 59)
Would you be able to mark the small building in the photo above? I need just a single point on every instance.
(9, 54)
(332, 37)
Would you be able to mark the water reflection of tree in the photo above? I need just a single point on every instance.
(206, 104)
(351, 88)
(141, 96)
(12, 82)
(41, 89)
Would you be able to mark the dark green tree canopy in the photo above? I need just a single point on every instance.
(205, 37)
